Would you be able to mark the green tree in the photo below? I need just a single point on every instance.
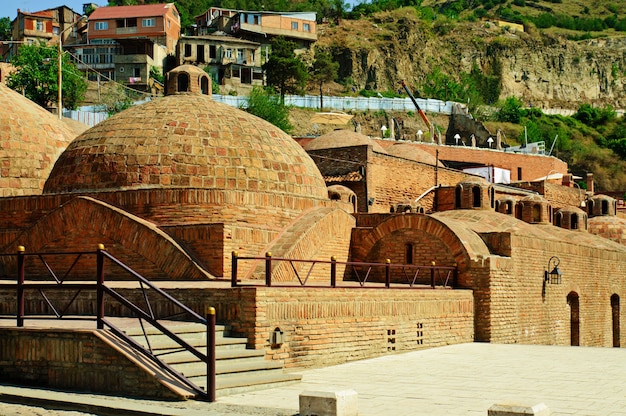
(37, 76)
(324, 69)
(511, 111)
(267, 105)
(5, 28)
(115, 100)
(284, 70)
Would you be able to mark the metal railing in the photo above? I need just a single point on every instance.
(42, 285)
(299, 272)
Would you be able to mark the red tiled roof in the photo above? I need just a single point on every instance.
(145, 10)
(43, 13)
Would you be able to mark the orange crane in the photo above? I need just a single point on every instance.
(419, 110)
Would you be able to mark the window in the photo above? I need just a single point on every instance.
(187, 50)
(137, 72)
(294, 25)
(151, 22)
(101, 25)
(229, 53)
(306, 27)
(408, 253)
(39, 26)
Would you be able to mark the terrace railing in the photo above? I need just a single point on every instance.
(299, 272)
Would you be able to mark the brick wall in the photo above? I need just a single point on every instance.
(75, 360)
(325, 327)
(321, 326)
(531, 166)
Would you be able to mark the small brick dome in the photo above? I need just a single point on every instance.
(186, 141)
(412, 152)
(32, 139)
(342, 138)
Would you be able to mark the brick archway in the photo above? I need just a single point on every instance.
(462, 248)
(84, 222)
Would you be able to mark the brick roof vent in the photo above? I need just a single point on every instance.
(506, 205)
(571, 218)
(534, 209)
(474, 193)
(601, 205)
(188, 79)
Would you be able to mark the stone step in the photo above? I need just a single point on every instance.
(234, 352)
(195, 369)
(235, 383)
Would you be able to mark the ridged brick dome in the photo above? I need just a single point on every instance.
(31, 139)
(186, 141)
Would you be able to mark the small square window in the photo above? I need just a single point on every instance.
(294, 25)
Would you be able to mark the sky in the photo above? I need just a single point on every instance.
(8, 8)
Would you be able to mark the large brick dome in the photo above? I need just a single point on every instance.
(31, 139)
(186, 141)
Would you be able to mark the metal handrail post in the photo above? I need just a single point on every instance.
(100, 286)
(387, 273)
(20, 285)
(432, 274)
(233, 269)
(333, 271)
(268, 269)
(210, 374)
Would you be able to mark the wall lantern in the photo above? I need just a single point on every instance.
(553, 276)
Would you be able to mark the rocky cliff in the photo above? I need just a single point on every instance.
(543, 70)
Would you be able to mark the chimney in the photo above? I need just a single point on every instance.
(567, 180)
(590, 183)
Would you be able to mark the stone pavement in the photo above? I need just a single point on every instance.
(463, 379)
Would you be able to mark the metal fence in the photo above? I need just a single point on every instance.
(350, 103)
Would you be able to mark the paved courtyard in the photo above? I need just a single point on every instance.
(463, 379)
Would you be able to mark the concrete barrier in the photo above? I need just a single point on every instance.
(517, 409)
(329, 403)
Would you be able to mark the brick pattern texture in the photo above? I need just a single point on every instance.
(31, 140)
(186, 141)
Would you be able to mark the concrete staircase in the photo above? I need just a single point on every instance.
(238, 369)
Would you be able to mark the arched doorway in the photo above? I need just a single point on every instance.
(615, 319)
(572, 301)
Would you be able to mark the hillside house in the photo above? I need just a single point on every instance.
(235, 44)
(231, 61)
(125, 42)
(41, 26)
